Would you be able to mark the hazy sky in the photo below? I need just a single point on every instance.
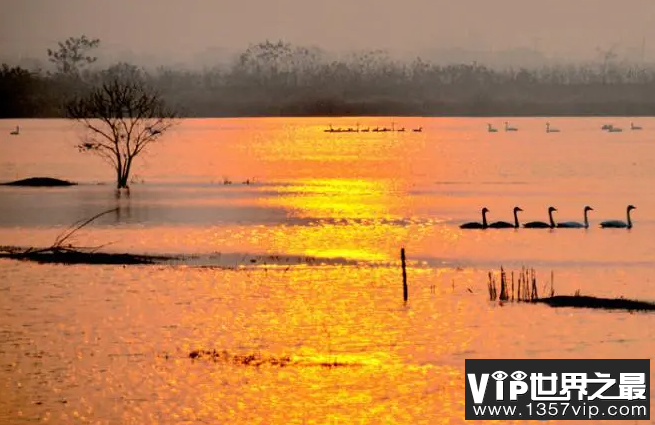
(180, 29)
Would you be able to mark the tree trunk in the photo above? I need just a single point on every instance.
(125, 173)
(118, 178)
(122, 183)
(121, 177)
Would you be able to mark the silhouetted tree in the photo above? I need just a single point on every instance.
(123, 116)
(607, 56)
(73, 54)
(17, 87)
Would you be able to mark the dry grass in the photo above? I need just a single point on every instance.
(523, 289)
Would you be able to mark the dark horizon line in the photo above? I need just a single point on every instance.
(381, 115)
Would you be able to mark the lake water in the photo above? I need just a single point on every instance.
(303, 263)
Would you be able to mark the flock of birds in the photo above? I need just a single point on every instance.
(551, 224)
(610, 128)
(357, 129)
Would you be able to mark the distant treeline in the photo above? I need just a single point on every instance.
(278, 79)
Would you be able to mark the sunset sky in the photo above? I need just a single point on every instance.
(178, 30)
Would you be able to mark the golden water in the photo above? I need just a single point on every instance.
(323, 221)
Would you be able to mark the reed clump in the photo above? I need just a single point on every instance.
(522, 289)
(525, 289)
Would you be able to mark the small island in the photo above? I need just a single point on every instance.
(40, 182)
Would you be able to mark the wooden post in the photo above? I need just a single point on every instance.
(402, 259)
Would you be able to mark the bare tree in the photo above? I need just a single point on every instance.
(123, 115)
(73, 54)
(607, 57)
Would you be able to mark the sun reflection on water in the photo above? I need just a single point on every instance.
(351, 218)
(340, 327)
(337, 199)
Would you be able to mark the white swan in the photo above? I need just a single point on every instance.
(618, 224)
(491, 129)
(475, 224)
(634, 127)
(541, 224)
(550, 129)
(508, 128)
(576, 224)
(506, 225)
(15, 132)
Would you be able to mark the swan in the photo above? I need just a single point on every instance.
(15, 132)
(618, 224)
(606, 127)
(576, 224)
(476, 225)
(550, 129)
(634, 127)
(506, 225)
(541, 224)
(508, 128)
(418, 130)
(613, 129)
(491, 129)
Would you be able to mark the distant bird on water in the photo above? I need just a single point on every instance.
(15, 132)
(506, 225)
(634, 127)
(491, 129)
(618, 224)
(576, 224)
(550, 129)
(475, 224)
(542, 224)
(508, 128)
